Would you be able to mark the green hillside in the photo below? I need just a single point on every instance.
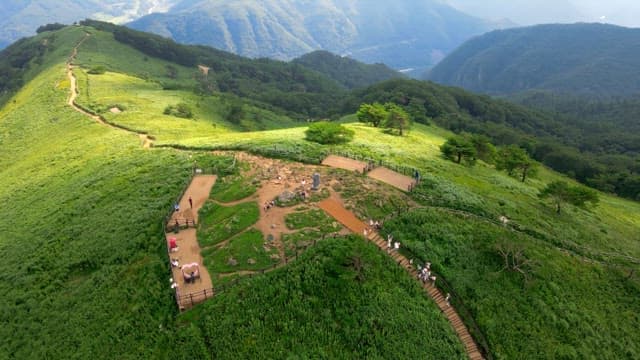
(85, 271)
(587, 59)
(348, 72)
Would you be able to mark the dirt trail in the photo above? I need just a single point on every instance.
(188, 248)
(392, 178)
(145, 139)
(334, 208)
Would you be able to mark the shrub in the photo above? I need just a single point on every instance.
(324, 132)
(180, 110)
(97, 70)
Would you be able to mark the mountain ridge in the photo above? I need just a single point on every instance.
(587, 59)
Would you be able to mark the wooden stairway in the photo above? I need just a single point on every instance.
(350, 221)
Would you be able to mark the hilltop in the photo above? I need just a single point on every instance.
(86, 268)
(585, 59)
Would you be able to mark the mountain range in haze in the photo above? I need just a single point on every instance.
(403, 34)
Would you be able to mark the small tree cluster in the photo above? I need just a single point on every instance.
(180, 110)
(325, 132)
(515, 159)
(561, 192)
(468, 148)
(389, 116)
(459, 148)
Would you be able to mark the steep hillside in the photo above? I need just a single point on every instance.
(284, 29)
(588, 59)
(22, 18)
(348, 72)
(85, 270)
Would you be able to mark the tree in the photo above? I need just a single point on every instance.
(560, 192)
(373, 114)
(485, 150)
(458, 148)
(325, 132)
(397, 118)
(512, 158)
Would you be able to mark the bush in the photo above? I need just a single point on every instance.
(324, 132)
(97, 70)
(180, 110)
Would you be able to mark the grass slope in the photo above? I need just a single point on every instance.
(342, 299)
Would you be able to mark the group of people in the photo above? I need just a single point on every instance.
(268, 205)
(424, 273)
(392, 245)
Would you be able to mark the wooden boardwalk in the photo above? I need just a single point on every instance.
(350, 221)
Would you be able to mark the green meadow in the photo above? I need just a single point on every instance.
(85, 270)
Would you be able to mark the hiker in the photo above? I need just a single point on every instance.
(388, 243)
(176, 207)
(433, 278)
(364, 232)
(190, 202)
(447, 298)
(175, 263)
(377, 225)
(396, 245)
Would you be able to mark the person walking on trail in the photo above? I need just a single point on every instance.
(447, 298)
(190, 202)
(176, 207)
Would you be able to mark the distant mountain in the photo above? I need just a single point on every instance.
(528, 12)
(346, 71)
(402, 34)
(585, 59)
(20, 18)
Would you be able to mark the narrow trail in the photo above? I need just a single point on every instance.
(349, 220)
(145, 139)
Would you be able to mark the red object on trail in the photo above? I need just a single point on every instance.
(172, 243)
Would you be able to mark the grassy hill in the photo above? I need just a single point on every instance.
(85, 270)
(587, 59)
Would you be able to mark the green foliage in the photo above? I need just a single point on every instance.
(325, 132)
(97, 70)
(341, 299)
(566, 299)
(373, 114)
(459, 148)
(560, 192)
(219, 223)
(588, 59)
(346, 71)
(246, 251)
(180, 110)
(513, 158)
(485, 150)
(50, 27)
(397, 119)
(312, 219)
(290, 87)
(232, 188)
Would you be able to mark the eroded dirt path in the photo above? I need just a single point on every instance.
(145, 139)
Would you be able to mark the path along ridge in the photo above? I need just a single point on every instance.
(349, 220)
(147, 142)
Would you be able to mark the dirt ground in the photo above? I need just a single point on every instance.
(344, 163)
(188, 250)
(391, 177)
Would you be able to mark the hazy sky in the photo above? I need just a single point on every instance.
(528, 12)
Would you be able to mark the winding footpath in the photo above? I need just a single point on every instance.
(147, 142)
(350, 221)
